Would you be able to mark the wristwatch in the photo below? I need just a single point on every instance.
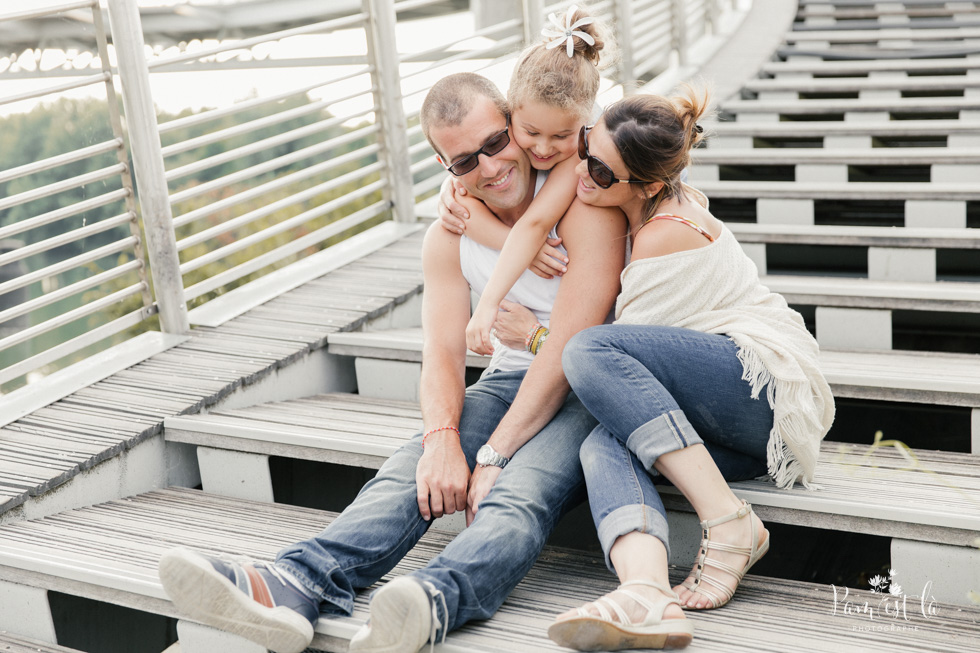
(487, 456)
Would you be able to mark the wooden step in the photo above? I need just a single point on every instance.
(823, 128)
(904, 376)
(923, 191)
(12, 643)
(937, 501)
(825, 106)
(109, 552)
(877, 156)
(857, 84)
(844, 235)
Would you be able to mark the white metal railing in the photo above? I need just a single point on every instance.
(231, 193)
(73, 275)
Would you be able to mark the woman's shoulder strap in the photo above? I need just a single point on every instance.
(676, 218)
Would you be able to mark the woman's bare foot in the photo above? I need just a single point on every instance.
(721, 566)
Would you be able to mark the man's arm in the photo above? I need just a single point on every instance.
(596, 240)
(442, 474)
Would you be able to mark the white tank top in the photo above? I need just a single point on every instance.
(477, 262)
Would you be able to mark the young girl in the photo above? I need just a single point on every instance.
(552, 95)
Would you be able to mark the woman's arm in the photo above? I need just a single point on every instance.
(526, 238)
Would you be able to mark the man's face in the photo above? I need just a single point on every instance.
(501, 180)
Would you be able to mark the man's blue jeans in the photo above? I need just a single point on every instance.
(480, 567)
(656, 390)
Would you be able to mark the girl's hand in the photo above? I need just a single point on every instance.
(478, 329)
(549, 262)
(452, 215)
(512, 324)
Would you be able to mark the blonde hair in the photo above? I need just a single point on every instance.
(550, 76)
(655, 136)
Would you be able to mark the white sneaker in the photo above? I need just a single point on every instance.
(403, 618)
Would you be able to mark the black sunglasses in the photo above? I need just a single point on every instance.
(601, 174)
(492, 147)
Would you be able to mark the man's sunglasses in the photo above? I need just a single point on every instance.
(601, 174)
(495, 145)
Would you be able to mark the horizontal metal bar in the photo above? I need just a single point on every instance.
(427, 162)
(79, 286)
(426, 185)
(505, 44)
(68, 264)
(65, 238)
(276, 184)
(259, 146)
(268, 209)
(288, 249)
(69, 317)
(98, 78)
(408, 5)
(61, 186)
(62, 213)
(60, 160)
(642, 17)
(244, 44)
(507, 56)
(273, 164)
(48, 11)
(421, 146)
(425, 55)
(285, 225)
(78, 343)
(253, 125)
(214, 114)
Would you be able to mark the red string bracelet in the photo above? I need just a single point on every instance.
(441, 428)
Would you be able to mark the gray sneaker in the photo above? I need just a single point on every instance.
(404, 616)
(250, 599)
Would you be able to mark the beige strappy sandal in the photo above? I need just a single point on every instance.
(754, 553)
(590, 632)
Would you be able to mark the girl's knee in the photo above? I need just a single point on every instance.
(579, 351)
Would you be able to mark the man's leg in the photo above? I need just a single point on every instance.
(270, 603)
(543, 480)
(383, 523)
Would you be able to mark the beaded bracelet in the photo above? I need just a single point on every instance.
(530, 335)
(441, 428)
(536, 346)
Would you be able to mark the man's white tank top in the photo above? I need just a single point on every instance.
(477, 262)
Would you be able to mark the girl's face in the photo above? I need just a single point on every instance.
(547, 134)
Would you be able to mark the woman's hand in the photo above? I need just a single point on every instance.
(549, 262)
(513, 323)
(452, 214)
(478, 329)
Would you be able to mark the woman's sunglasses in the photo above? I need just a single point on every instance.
(601, 174)
(495, 145)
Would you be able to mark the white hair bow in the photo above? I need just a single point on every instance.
(564, 33)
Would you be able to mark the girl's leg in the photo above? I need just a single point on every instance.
(661, 390)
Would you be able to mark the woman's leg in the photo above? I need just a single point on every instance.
(660, 390)
(632, 526)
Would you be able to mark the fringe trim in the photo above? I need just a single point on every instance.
(790, 453)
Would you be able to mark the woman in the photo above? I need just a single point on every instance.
(676, 383)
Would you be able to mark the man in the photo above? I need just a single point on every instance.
(518, 423)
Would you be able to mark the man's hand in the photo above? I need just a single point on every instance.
(442, 476)
(481, 482)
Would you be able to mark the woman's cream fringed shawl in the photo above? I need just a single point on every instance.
(716, 289)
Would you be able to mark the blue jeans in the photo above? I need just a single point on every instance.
(656, 390)
(480, 567)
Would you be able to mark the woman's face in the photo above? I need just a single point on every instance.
(601, 146)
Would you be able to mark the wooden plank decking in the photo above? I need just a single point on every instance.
(110, 551)
(52, 445)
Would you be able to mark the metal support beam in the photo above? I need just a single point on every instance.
(161, 243)
(383, 54)
(624, 39)
(533, 21)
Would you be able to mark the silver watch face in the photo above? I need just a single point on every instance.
(487, 456)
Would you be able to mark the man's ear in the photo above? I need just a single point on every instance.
(649, 191)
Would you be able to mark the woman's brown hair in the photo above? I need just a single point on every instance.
(655, 136)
